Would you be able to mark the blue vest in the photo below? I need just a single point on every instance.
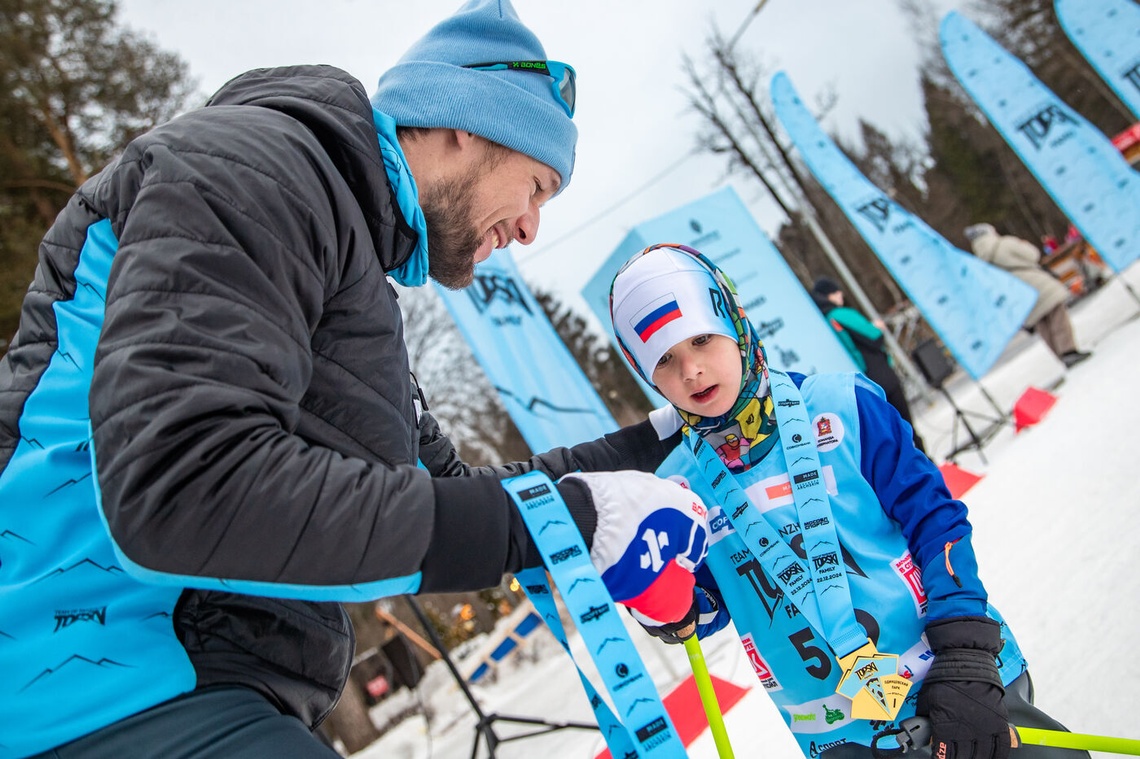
(792, 660)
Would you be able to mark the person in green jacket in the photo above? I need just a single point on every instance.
(863, 339)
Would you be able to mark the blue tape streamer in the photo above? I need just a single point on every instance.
(638, 726)
(538, 591)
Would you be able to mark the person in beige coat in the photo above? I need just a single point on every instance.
(1050, 316)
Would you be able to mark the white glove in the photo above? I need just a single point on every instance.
(651, 535)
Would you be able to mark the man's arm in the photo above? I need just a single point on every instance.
(223, 269)
(225, 262)
(636, 447)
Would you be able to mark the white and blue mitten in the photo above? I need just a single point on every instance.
(649, 536)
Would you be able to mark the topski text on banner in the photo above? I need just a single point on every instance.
(1079, 167)
(543, 388)
(974, 307)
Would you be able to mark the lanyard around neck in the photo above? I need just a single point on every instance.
(818, 589)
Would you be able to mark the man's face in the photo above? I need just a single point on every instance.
(488, 203)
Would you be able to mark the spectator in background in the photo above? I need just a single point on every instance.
(864, 340)
(1021, 258)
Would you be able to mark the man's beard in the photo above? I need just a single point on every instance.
(452, 238)
(448, 209)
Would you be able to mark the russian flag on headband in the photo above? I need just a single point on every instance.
(655, 316)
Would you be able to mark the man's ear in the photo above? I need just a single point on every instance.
(464, 140)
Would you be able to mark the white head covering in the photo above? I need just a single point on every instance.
(668, 293)
(660, 300)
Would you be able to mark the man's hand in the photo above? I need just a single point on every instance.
(651, 534)
(962, 693)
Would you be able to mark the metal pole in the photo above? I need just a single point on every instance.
(745, 23)
(795, 187)
(408, 632)
(1003, 416)
(484, 728)
(853, 287)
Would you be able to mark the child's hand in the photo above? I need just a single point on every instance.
(672, 632)
(651, 535)
(703, 611)
(962, 693)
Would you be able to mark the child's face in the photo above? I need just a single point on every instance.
(701, 375)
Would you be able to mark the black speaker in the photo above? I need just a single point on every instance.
(406, 666)
(933, 362)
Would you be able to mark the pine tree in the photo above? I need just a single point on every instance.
(75, 87)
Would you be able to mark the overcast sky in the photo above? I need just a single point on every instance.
(634, 129)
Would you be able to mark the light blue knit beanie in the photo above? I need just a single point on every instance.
(429, 88)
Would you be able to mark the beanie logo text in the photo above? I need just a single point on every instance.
(716, 297)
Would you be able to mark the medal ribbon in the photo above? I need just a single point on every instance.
(641, 726)
(820, 589)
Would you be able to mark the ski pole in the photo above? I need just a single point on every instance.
(914, 732)
(708, 696)
(1034, 736)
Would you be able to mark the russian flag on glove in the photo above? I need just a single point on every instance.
(652, 534)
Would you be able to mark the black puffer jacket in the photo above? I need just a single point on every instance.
(250, 400)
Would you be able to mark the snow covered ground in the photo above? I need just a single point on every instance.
(1056, 518)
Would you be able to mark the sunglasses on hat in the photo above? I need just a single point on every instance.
(564, 85)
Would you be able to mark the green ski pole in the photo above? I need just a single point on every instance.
(1034, 736)
(708, 697)
(915, 731)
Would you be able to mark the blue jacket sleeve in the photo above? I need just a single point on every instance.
(913, 493)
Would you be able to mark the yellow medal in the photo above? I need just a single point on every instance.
(873, 683)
